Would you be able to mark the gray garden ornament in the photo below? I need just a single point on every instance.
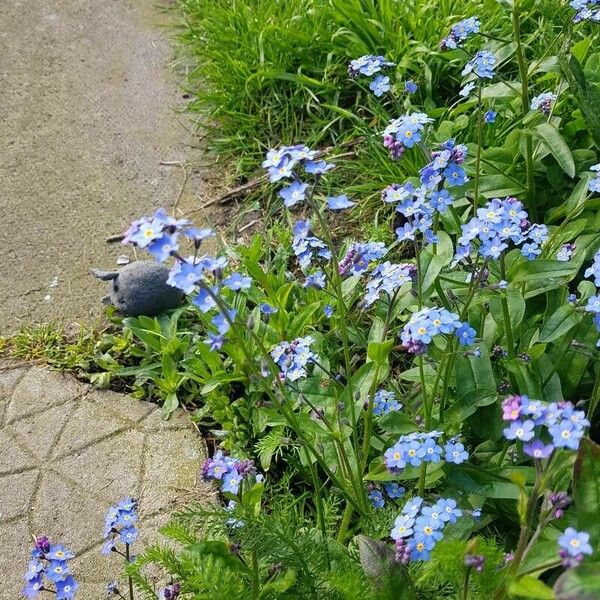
(140, 288)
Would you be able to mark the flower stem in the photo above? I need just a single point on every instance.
(478, 156)
(506, 314)
(130, 581)
(465, 594)
(531, 207)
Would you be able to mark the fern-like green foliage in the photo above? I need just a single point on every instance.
(276, 555)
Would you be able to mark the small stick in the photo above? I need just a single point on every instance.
(248, 225)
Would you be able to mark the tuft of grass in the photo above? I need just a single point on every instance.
(51, 343)
(266, 72)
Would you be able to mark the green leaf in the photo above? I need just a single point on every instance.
(379, 351)
(542, 269)
(516, 308)
(580, 583)
(586, 95)
(219, 550)
(169, 406)
(530, 587)
(282, 583)
(561, 322)
(586, 489)
(557, 147)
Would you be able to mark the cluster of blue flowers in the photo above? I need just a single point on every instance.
(426, 323)
(385, 402)
(593, 304)
(228, 471)
(360, 256)
(404, 132)
(460, 32)
(498, 224)
(542, 426)
(282, 162)
(573, 545)
(369, 65)
(419, 528)
(119, 525)
(482, 65)
(416, 448)
(159, 235)
(419, 205)
(307, 247)
(48, 570)
(565, 253)
(543, 102)
(587, 10)
(392, 490)
(386, 277)
(293, 357)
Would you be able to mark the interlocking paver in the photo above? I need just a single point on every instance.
(69, 452)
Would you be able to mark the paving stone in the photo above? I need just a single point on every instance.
(40, 387)
(163, 483)
(14, 559)
(79, 434)
(110, 467)
(124, 407)
(12, 456)
(8, 381)
(68, 454)
(42, 430)
(16, 493)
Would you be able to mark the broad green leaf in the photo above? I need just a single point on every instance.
(474, 372)
(541, 270)
(580, 583)
(516, 308)
(530, 587)
(557, 147)
(378, 352)
(586, 489)
(170, 404)
(541, 557)
(561, 322)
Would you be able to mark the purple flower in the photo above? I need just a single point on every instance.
(511, 408)
(410, 87)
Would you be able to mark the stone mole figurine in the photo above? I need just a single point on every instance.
(140, 288)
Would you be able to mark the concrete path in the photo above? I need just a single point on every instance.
(67, 453)
(87, 114)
